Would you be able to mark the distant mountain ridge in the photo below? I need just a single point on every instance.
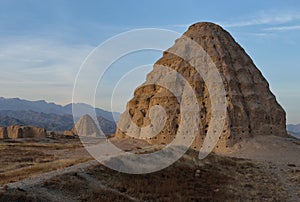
(52, 122)
(53, 117)
(17, 104)
(293, 128)
(8, 121)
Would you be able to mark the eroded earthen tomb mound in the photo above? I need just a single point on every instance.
(251, 108)
(16, 131)
(85, 126)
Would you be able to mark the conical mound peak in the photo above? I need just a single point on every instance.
(86, 126)
(251, 108)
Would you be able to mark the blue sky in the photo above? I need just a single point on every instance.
(43, 43)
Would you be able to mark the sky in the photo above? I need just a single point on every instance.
(44, 43)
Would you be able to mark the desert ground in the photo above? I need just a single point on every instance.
(24, 158)
(61, 170)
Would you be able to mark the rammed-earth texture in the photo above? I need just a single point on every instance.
(252, 109)
(17, 131)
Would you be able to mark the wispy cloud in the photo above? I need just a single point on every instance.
(260, 34)
(41, 56)
(283, 28)
(42, 69)
(265, 18)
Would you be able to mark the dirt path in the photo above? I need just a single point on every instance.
(34, 184)
(32, 181)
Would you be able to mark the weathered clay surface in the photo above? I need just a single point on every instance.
(16, 131)
(70, 132)
(3, 133)
(252, 109)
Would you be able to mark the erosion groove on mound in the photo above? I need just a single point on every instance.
(251, 108)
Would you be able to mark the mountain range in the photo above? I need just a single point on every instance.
(294, 129)
(17, 104)
(53, 117)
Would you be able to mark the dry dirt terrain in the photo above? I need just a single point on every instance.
(253, 176)
(24, 158)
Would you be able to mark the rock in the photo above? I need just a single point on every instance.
(86, 126)
(69, 133)
(52, 134)
(3, 133)
(34, 132)
(251, 108)
(16, 131)
(55, 135)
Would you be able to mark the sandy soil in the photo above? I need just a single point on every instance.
(275, 149)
